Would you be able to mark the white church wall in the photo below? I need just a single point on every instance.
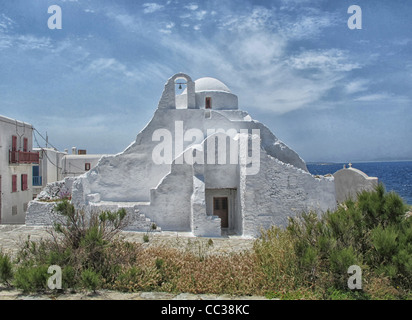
(280, 191)
(170, 200)
(219, 100)
(203, 224)
(350, 181)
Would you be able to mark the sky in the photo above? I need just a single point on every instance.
(331, 93)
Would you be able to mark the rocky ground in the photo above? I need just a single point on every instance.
(12, 236)
(11, 294)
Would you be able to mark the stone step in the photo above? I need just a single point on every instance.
(139, 222)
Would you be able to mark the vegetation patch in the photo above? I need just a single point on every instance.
(307, 260)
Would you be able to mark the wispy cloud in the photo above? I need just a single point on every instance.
(151, 7)
(5, 22)
(334, 60)
(260, 18)
(130, 22)
(374, 97)
(277, 56)
(192, 6)
(252, 54)
(167, 28)
(357, 86)
(306, 27)
(385, 98)
(111, 65)
(25, 42)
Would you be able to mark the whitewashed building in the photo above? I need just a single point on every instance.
(48, 170)
(78, 163)
(201, 165)
(16, 161)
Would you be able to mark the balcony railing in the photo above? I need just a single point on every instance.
(22, 157)
(37, 181)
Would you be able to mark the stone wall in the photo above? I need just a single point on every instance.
(40, 213)
(40, 210)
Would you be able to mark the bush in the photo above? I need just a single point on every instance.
(307, 260)
(79, 227)
(80, 244)
(31, 278)
(90, 280)
(6, 269)
(69, 278)
(371, 232)
(277, 259)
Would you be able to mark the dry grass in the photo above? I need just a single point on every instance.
(172, 270)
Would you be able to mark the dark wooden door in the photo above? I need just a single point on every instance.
(208, 103)
(220, 209)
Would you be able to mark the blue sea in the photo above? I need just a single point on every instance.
(396, 176)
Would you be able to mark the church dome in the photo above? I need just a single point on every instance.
(209, 84)
(207, 93)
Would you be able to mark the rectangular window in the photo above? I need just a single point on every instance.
(14, 143)
(24, 185)
(14, 183)
(36, 171)
(25, 144)
(87, 166)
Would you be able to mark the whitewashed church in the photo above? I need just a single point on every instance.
(201, 165)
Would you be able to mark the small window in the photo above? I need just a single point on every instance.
(25, 144)
(87, 166)
(24, 185)
(36, 171)
(208, 103)
(14, 183)
(14, 143)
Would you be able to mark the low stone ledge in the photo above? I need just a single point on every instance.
(40, 213)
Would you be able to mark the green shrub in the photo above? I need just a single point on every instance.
(6, 269)
(341, 294)
(31, 278)
(371, 232)
(69, 278)
(90, 280)
(307, 260)
(384, 241)
(276, 257)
